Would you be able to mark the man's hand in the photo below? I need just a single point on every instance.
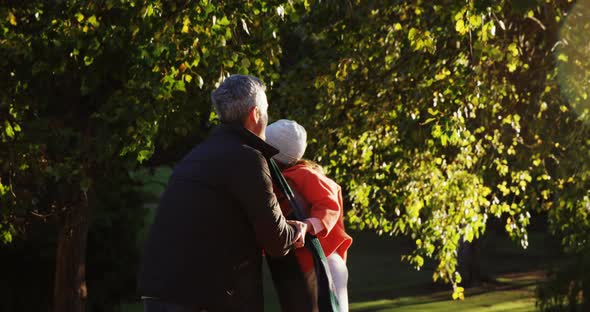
(301, 229)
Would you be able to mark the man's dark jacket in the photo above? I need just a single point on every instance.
(218, 212)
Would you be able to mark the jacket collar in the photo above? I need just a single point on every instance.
(248, 137)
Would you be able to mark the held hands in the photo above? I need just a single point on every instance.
(301, 229)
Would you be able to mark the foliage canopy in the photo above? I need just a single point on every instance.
(89, 89)
(438, 116)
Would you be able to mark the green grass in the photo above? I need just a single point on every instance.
(510, 300)
(379, 281)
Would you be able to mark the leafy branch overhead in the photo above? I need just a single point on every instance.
(107, 81)
(441, 116)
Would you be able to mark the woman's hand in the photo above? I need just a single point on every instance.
(314, 225)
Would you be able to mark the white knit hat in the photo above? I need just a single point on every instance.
(289, 137)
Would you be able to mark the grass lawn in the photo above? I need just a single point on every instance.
(379, 281)
(510, 300)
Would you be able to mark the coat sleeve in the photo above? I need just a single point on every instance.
(253, 188)
(323, 195)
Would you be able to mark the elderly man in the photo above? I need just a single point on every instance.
(218, 213)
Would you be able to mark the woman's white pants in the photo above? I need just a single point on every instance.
(339, 273)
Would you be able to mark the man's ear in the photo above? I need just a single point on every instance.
(251, 119)
(254, 114)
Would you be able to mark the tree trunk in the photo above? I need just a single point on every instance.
(70, 269)
(469, 263)
(585, 295)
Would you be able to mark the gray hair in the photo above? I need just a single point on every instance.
(236, 96)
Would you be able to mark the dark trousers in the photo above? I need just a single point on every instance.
(297, 291)
(154, 305)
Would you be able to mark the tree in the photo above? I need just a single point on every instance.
(89, 89)
(439, 116)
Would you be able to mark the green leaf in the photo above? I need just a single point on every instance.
(459, 293)
(8, 129)
(143, 155)
(6, 237)
(88, 60)
(475, 21)
(93, 21)
(223, 21)
(79, 17)
(149, 11)
(245, 63)
(180, 86)
(12, 19)
(185, 25)
(460, 27)
(511, 66)
(3, 189)
(513, 49)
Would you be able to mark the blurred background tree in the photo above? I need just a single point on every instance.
(88, 91)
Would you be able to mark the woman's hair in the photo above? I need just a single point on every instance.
(310, 164)
(306, 162)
